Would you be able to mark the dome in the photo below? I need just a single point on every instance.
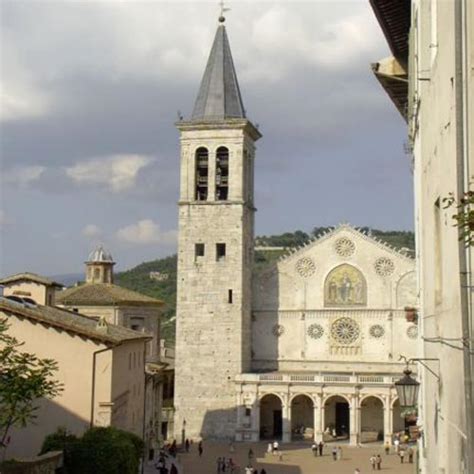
(100, 255)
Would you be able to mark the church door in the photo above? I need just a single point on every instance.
(277, 424)
(342, 419)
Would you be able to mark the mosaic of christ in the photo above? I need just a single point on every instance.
(345, 286)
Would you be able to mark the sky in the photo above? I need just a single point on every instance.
(90, 92)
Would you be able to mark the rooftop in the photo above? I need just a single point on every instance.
(27, 276)
(103, 294)
(100, 255)
(219, 94)
(74, 322)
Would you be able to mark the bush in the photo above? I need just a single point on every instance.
(100, 450)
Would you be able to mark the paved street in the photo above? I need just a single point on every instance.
(297, 459)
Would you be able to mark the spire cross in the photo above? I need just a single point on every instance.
(223, 10)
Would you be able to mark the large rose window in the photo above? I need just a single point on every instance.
(345, 331)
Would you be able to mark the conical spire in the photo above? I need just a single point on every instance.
(219, 95)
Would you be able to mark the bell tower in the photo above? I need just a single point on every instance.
(215, 251)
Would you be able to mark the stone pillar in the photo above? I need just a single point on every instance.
(387, 415)
(286, 414)
(318, 418)
(354, 416)
(256, 421)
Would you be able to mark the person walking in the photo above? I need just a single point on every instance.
(320, 448)
(379, 462)
(219, 465)
(339, 453)
(334, 453)
(314, 448)
(387, 448)
(410, 455)
(401, 453)
(270, 448)
(186, 445)
(396, 443)
(373, 461)
(275, 447)
(250, 456)
(200, 448)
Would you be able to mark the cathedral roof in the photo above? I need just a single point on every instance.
(103, 294)
(219, 94)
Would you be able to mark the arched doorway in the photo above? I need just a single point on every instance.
(336, 418)
(302, 418)
(371, 420)
(401, 424)
(271, 421)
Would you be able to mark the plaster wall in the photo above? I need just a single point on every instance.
(42, 294)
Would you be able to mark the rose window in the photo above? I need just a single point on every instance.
(376, 331)
(384, 266)
(345, 331)
(344, 247)
(278, 330)
(412, 331)
(305, 267)
(315, 331)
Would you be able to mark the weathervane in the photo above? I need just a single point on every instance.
(223, 10)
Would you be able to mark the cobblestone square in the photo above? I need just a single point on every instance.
(297, 459)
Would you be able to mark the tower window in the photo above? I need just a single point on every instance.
(220, 252)
(202, 172)
(229, 297)
(222, 173)
(198, 250)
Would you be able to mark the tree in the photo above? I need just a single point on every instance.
(24, 379)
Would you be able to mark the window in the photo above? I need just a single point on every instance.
(96, 273)
(202, 172)
(222, 174)
(229, 297)
(220, 252)
(199, 251)
(248, 412)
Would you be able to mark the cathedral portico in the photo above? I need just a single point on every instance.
(321, 407)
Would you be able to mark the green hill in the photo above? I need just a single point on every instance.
(139, 279)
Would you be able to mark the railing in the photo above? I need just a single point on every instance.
(319, 378)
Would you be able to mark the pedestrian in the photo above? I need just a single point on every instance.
(219, 465)
(280, 455)
(314, 448)
(320, 447)
(200, 448)
(174, 469)
(397, 445)
(339, 453)
(387, 448)
(401, 453)
(250, 455)
(410, 455)
(249, 470)
(373, 461)
(270, 448)
(275, 447)
(379, 462)
(334, 453)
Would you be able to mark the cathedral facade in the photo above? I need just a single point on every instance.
(309, 347)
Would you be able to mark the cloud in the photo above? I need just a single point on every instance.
(91, 231)
(23, 176)
(116, 173)
(146, 232)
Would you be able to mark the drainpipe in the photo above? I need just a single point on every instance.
(94, 363)
(464, 254)
(145, 454)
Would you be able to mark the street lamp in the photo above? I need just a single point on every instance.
(407, 389)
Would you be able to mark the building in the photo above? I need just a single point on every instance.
(309, 347)
(100, 365)
(40, 289)
(433, 44)
(99, 297)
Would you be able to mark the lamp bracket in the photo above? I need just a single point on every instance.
(422, 361)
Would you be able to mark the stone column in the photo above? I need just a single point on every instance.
(256, 421)
(354, 416)
(387, 436)
(286, 414)
(317, 416)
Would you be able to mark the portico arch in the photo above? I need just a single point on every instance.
(372, 419)
(302, 417)
(336, 418)
(271, 419)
